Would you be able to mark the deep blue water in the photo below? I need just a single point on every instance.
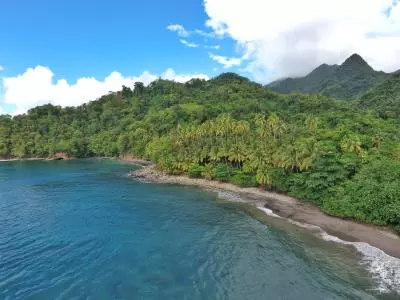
(84, 230)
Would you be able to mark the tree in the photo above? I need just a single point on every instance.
(138, 88)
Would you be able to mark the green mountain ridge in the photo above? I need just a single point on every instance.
(384, 98)
(346, 81)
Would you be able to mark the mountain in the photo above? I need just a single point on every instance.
(384, 98)
(304, 84)
(349, 80)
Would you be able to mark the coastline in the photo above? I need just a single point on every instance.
(22, 159)
(295, 211)
(379, 247)
(130, 160)
(300, 213)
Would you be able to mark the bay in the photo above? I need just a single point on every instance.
(85, 230)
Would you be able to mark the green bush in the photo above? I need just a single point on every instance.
(221, 173)
(244, 180)
(196, 171)
(371, 196)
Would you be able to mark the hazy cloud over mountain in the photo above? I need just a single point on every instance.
(283, 38)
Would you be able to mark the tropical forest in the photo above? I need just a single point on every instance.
(336, 144)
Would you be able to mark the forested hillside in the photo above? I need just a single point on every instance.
(347, 81)
(384, 98)
(341, 156)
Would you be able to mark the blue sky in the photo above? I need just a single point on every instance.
(70, 52)
(92, 38)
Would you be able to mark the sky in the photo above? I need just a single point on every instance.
(71, 52)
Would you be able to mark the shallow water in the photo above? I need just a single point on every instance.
(84, 230)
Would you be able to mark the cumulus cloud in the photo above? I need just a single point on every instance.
(283, 38)
(179, 29)
(226, 62)
(188, 44)
(170, 74)
(37, 87)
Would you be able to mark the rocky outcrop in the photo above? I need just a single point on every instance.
(60, 156)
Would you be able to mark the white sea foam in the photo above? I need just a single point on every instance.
(269, 212)
(384, 268)
(142, 180)
(230, 197)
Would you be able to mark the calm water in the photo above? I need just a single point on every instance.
(84, 230)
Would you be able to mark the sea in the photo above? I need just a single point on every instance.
(84, 229)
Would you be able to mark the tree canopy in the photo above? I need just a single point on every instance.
(342, 156)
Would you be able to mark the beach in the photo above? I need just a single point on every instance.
(296, 211)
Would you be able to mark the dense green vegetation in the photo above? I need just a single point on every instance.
(349, 80)
(384, 98)
(337, 154)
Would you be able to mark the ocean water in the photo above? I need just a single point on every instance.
(85, 230)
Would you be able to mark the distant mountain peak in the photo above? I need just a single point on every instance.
(346, 81)
(323, 67)
(356, 61)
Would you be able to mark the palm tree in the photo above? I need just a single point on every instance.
(312, 124)
(237, 154)
(264, 178)
(275, 126)
(256, 160)
(352, 143)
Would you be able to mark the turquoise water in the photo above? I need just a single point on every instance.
(84, 230)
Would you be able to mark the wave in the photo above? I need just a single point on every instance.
(384, 268)
(229, 196)
(269, 212)
(142, 180)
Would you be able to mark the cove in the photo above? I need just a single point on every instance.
(85, 230)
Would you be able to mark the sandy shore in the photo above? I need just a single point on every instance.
(128, 160)
(288, 207)
(22, 159)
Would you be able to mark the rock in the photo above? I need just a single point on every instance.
(60, 156)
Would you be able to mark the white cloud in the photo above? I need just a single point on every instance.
(227, 62)
(1, 68)
(36, 87)
(215, 47)
(188, 44)
(291, 37)
(210, 35)
(182, 32)
(170, 74)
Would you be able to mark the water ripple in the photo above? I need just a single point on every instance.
(83, 230)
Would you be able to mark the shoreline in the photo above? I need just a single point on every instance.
(133, 161)
(22, 159)
(294, 211)
(297, 212)
(379, 247)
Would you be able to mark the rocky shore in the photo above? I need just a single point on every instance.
(295, 211)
